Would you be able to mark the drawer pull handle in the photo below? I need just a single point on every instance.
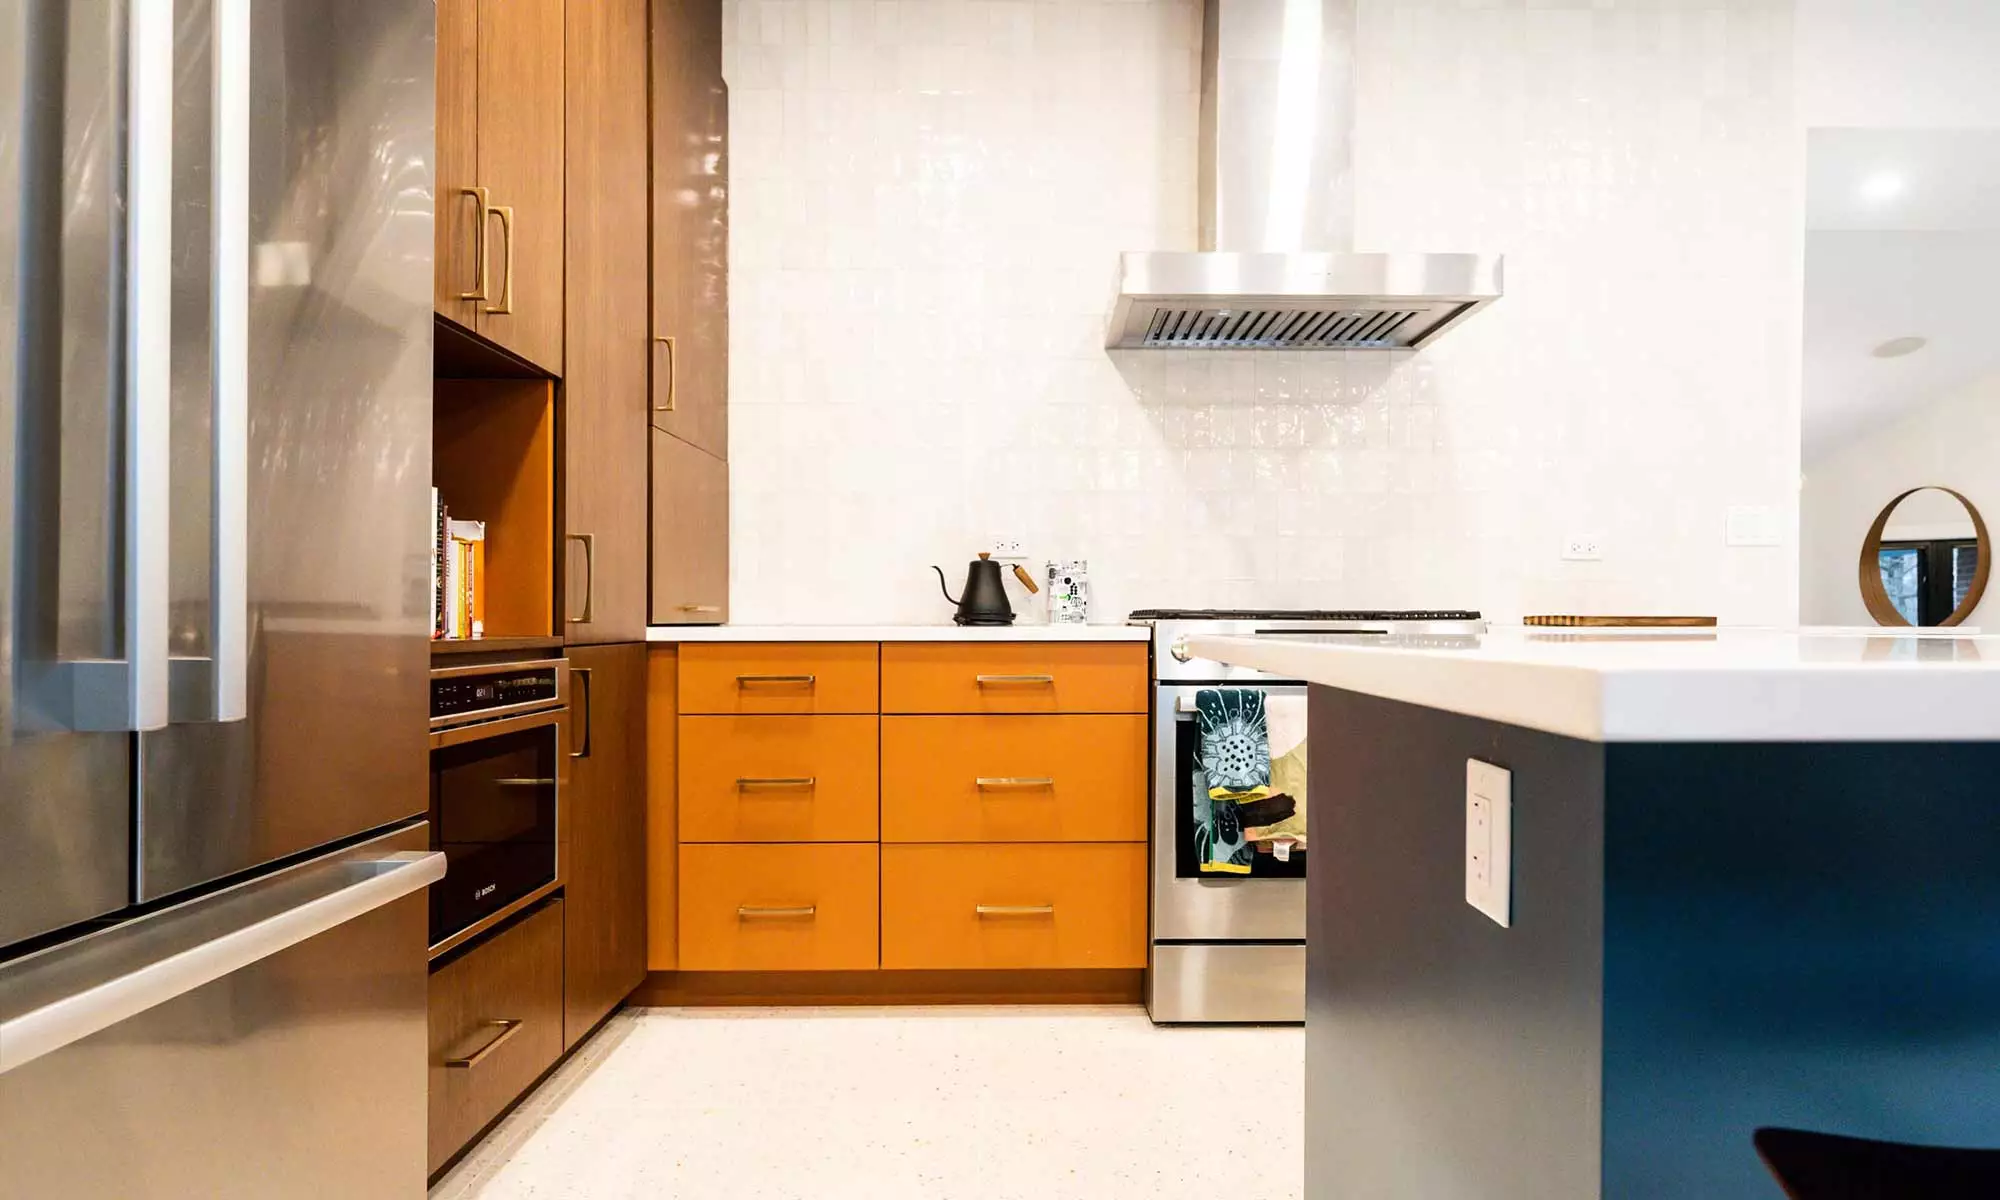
(745, 912)
(803, 781)
(1013, 910)
(752, 680)
(505, 1027)
(989, 782)
(534, 783)
(699, 608)
(992, 680)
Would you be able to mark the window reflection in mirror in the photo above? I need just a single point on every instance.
(1927, 552)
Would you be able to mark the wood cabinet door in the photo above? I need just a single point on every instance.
(495, 1026)
(604, 948)
(520, 105)
(690, 528)
(605, 326)
(690, 225)
(458, 206)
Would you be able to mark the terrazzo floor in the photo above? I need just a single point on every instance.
(901, 1104)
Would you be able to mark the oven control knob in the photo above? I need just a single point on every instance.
(1179, 649)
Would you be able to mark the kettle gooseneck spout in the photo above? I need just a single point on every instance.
(941, 584)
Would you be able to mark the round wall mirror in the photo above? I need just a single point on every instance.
(1925, 559)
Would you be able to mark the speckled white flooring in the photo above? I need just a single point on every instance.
(896, 1103)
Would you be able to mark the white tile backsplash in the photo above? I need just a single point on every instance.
(928, 201)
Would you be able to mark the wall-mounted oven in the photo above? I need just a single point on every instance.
(499, 742)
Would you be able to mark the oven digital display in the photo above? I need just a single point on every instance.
(457, 695)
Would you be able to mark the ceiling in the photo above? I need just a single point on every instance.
(1903, 239)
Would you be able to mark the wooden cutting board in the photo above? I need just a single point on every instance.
(1572, 621)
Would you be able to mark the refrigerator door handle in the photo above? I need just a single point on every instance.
(126, 689)
(266, 919)
(216, 688)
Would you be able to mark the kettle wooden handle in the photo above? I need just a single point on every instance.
(1027, 580)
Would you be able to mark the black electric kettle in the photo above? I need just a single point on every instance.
(984, 601)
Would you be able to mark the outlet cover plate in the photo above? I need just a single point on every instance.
(1489, 840)
(1582, 547)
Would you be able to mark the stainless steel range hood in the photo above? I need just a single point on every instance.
(1276, 269)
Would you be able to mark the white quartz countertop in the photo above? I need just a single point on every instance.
(898, 633)
(1628, 685)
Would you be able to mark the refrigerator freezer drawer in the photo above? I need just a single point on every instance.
(1225, 983)
(297, 1072)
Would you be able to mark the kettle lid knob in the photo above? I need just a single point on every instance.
(985, 554)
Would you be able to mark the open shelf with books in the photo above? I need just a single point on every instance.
(493, 471)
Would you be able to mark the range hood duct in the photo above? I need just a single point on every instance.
(1276, 269)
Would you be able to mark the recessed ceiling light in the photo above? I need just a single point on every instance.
(1882, 187)
(1898, 347)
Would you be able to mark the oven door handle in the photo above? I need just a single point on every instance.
(477, 731)
(1184, 697)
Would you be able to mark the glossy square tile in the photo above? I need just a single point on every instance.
(930, 197)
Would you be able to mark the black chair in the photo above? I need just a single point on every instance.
(1826, 1166)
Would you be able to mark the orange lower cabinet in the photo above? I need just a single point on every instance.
(779, 907)
(778, 779)
(1014, 778)
(1019, 905)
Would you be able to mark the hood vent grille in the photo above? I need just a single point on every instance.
(1278, 328)
(1297, 301)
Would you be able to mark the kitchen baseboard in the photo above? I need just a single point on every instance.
(724, 989)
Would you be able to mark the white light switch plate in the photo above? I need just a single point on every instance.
(1753, 525)
(1489, 840)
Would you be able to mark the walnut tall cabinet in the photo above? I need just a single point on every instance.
(499, 221)
(581, 225)
(689, 438)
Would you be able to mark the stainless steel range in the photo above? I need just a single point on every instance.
(1229, 854)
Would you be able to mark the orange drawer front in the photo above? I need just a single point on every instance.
(780, 677)
(1014, 677)
(779, 908)
(1039, 904)
(778, 779)
(1014, 779)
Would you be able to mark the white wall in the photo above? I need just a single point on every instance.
(1898, 64)
(1948, 444)
(928, 198)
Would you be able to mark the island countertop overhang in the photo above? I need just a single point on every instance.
(1727, 685)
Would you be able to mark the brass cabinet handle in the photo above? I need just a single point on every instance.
(988, 782)
(991, 680)
(533, 783)
(673, 373)
(582, 676)
(481, 195)
(506, 214)
(698, 608)
(746, 912)
(506, 1027)
(749, 680)
(802, 781)
(589, 541)
(1013, 910)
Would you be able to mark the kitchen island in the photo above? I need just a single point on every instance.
(1755, 881)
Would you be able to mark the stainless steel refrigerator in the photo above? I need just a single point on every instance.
(215, 357)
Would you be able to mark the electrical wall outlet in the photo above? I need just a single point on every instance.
(1489, 840)
(1008, 547)
(1582, 547)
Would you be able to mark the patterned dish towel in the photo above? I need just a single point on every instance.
(1285, 726)
(1232, 782)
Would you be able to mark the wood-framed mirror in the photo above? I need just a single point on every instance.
(1925, 559)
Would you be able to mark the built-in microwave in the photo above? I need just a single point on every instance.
(499, 732)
